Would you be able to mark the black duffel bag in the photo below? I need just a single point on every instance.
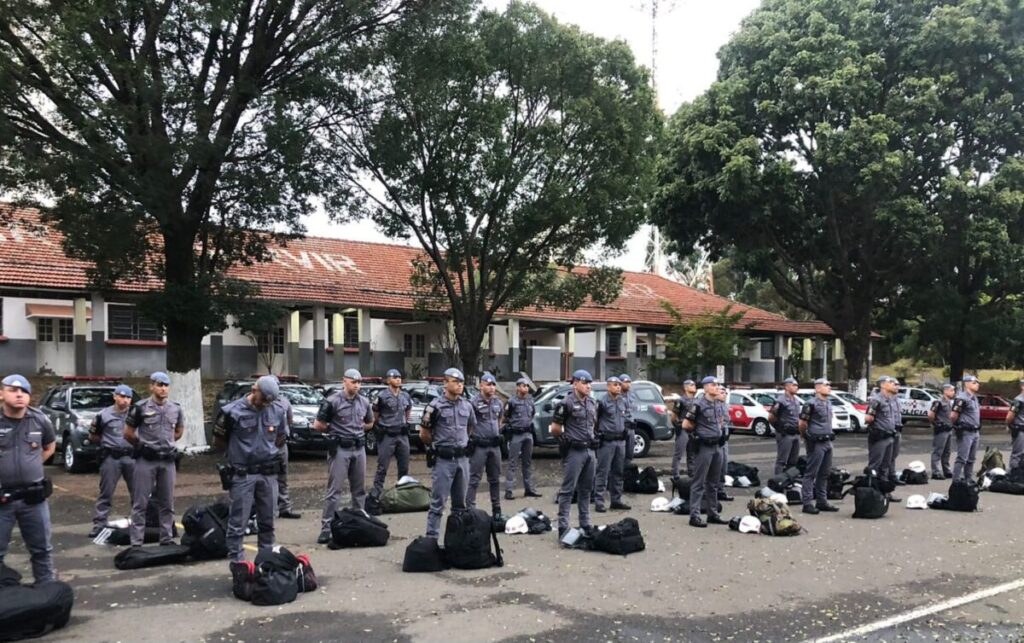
(648, 481)
(963, 496)
(424, 555)
(354, 528)
(277, 574)
(620, 538)
(29, 611)
(631, 478)
(121, 536)
(1004, 485)
(140, 557)
(467, 540)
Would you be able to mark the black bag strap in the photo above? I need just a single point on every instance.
(498, 560)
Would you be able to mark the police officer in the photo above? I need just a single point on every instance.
(485, 443)
(966, 416)
(632, 403)
(345, 417)
(447, 424)
(816, 428)
(612, 416)
(785, 418)
(705, 421)
(391, 412)
(117, 457)
(682, 444)
(253, 430)
(574, 421)
(1015, 422)
(942, 427)
(518, 428)
(153, 426)
(27, 440)
(882, 418)
(284, 498)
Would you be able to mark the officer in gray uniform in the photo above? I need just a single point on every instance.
(518, 429)
(27, 440)
(153, 426)
(485, 443)
(612, 416)
(1015, 422)
(574, 421)
(706, 422)
(816, 427)
(284, 499)
(682, 448)
(117, 457)
(942, 427)
(785, 418)
(882, 418)
(345, 416)
(966, 416)
(447, 424)
(632, 402)
(391, 412)
(253, 430)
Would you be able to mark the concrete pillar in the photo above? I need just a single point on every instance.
(292, 350)
(363, 318)
(513, 345)
(821, 349)
(808, 359)
(630, 337)
(652, 354)
(781, 354)
(600, 352)
(319, 345)
(99, 335)
(338, 341)
(569, 350)
(80, 327)
(838, 361)
(217, 355)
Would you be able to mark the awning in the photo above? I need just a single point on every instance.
(53, 311)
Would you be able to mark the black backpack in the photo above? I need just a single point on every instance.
(354, 528)
(467, 540)
(738, 470)
(648, 481)
(870, 495)
(631, 479)
(155, 556)
(963, 496)
(28, 611)
(620, 538)
(424, 555)
(277, 577)
(785, 480)
(681, 487)
(914, 477)
(836, 479)
(206, 530)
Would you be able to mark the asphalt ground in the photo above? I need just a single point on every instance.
(689, 585)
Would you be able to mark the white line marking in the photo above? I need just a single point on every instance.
(921, 612)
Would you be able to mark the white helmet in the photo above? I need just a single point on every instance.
(779, 498)
(917, 501)
(729, 481)
(917, 466)
(995, 472)
(659, 504)
(516, 525)
(750, 525)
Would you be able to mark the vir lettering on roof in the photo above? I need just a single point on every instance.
(314, 260)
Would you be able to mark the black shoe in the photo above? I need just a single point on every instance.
(289, 514)
(621, 505)
(325, 537)
(96, 529)
(948, 474)
(717, 520)
(509, 496)
(561, 532)
(600, 510)
(589, 531)
(827, 507)
(811, 509)
(938, 476)
(724, 496)
(533, 494)
(697, 521)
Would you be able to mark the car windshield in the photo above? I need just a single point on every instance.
(92, 398)
(302, 395)
(851, 398)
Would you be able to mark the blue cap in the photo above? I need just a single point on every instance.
(455, 373)
(123, 390)
(353, 374)
(522, 380)
(689, 382)
(822, 381)
(947, 385)
(970, 378)
(613, 379)
(160, 378)
(625, 379)
(790, 380)
(393, 372)
(582, 376)
(487, 377)
(269, 387)
(18, 381)
(710, 379)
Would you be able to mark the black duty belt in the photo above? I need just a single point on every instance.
(32, 494)
(821, 438)
(107, 452)
(450, 453)
(712, 442)
(395, 432)
(149, 453)
(790, 430)
(348, 443)
(942, 428)
(580, 444)
(268, 468)
(969, 429)
(487, 442)
(614, 437)
(523, 430)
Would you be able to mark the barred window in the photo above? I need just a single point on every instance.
(125, 322)
(273, 340)
(615, 343)
(65, 331)
(44, 329)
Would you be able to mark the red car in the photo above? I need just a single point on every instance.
(993, 407)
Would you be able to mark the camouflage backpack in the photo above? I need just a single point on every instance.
(775, 517)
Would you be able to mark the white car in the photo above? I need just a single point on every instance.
(843, 413)
(746, 414)
(915, 402)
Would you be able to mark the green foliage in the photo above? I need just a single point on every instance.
(697, 345)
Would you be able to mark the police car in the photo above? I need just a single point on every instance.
(747, 413)
(305, 401)
(845, 417)
(71, 406)
(915, 402)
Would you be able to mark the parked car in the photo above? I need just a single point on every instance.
(748, 414)
(993, 407)
(915, 402)
(71, 406)
(305, 402)
(859, 404)
(651, 414)
(844, 416)
(423, 393)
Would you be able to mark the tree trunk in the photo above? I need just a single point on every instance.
(957, 356)
(184, 346)
(185, 329)
(857, 345)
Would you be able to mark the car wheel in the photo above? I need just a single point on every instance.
(371, 443)
(72, 463)
(761, 428)
(641, 443)
(855, 425)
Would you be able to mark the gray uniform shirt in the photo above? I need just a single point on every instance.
(632, 404)
(21, 448)
(611, 415)
(709, 417)
(577, 417)
(154, 423)
(970, 413)
(251, 433)
(109, 425)
(787, 412)
(819, 422)
(886, 411)
(683, 405)
(487, 414)
(519, 412)
(1017, 406)
(942, 408)
(286, 407)
(393, 409)
(345, 416)
(452, 421)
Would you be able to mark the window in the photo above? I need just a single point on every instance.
(414, 345)
(407, 345)
(615, 343)
(421, 346)
(44, 329)
(919, 395)
(767, 349)
(126, 323)
(66, 331)
(646, 394)
(351, 334)
(641, 350)
(272, 342)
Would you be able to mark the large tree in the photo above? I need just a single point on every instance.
(507, 145)
(173, 135)
(818, 154)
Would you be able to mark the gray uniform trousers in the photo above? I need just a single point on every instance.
(347, 464)
(941, 448)
(880, 456)
(814, 489)
(246, 491)
(611, 458)
(284, 499)
(707, 473)
(630, 439)
(390, 445)
(156, 478)
(896, 441)
(680, 454)
(966, 448)
(787, 451)
(1017, 449)
(34, 523)
(485, 460)
(448, 478)
(577, 476)
(520, 449)
(111, 470)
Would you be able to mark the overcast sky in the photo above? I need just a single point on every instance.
(690, 32)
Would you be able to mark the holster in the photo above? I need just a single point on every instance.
(431, 457)
(343, 443)
(943, 428)
(503, 446)
(874, 435)
(563, 448)
(32, 494)
(227, 474)
(470, 448)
